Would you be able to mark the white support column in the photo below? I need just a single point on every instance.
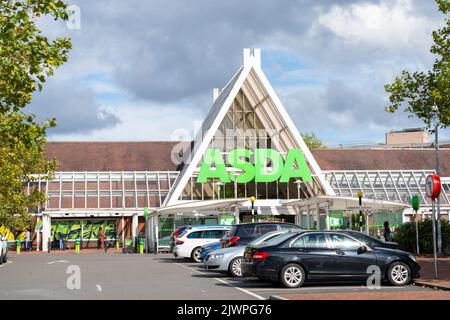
(134, 225)
(38, 237)
(236, 213)
(308, 218)
(328, 216)
(318, 216)
(46, 232)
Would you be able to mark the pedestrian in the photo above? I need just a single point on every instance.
(387, 232)
(314, 227)
(26, 237)
(61, 241)
(101, 238)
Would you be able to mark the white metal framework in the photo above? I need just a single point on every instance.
(390, 185)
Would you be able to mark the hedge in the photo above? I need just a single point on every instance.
(405, 236)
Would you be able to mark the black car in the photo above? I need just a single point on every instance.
(292, 258)
(243, 233)
(371, 241)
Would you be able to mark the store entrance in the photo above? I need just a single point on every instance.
(246, 216)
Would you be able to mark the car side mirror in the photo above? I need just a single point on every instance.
(362, 249)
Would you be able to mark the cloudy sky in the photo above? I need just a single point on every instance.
(144, 70)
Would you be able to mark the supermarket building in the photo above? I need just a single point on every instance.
(247, 146)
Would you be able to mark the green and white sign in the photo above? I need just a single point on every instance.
(294, 166)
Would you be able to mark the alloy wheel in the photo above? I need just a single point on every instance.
(236, 267)
(197, 254)
(293, 276)
(399, 274)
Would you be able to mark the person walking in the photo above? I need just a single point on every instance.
(61, 241)
(101, 238)
(387, 232)
(26, 237)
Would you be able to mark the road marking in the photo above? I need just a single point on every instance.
(59, 261)
(4, 264)
(224, 282)
(99, 288)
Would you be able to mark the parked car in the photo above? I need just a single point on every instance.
(244, 233)
(3, 249)
(181, 229)
(190, 243)
(228, 260)
(292, 259)
(207, 248)
(370, 240)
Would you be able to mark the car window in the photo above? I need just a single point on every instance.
(195, 235)
(314, 240)
(340, 241)
(288, 226)
(265, 228)
(299, 243)
(264, 238)
(213, 234)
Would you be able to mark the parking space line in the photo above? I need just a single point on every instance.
(225, 282)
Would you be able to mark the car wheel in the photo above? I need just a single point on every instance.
(399, 274)
(1, 258)
(292, 276)
(197, 254)
(235, 269)
(5, 258)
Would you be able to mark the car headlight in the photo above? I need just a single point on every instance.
(412, 258)
(217, 256)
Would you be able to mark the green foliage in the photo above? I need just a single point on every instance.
(427, 94)
(27, 58)
(312, 141)
(405, 235)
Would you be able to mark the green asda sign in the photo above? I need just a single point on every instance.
(294, 166)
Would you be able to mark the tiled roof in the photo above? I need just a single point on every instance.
(156, 155)
(114, 156)
(382, 159)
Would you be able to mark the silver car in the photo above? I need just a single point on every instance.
(228, 260)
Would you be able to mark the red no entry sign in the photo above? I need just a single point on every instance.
(433, 186)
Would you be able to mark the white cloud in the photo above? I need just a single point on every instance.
(391, 25)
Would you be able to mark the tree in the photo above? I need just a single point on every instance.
(427, 94)
(27, 58)
(312, 141)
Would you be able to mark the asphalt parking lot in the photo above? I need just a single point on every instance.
(120, 276)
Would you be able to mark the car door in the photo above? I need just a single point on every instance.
(314, 253)
(348, 260)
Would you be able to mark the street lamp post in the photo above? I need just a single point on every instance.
(415, 201)
(360, 195)
(252, 200)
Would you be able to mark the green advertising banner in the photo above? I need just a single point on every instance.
(83, 229)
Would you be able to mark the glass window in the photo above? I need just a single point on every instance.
(315, 240)
(340, 241)
(213, 234)
(299, 243)
(266, 228)
(195, 235)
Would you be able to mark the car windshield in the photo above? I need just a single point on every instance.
(265, 238)
(278, 239)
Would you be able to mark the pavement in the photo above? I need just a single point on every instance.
(114, 275)
(427, 273)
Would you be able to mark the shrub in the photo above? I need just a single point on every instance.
(405, 236)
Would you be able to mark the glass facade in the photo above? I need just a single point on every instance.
(390, 185)
(106, 190)
(242, 128)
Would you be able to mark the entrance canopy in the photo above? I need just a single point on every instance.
(195, 206)
(344, 203)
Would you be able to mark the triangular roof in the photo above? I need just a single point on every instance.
(268, 106)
